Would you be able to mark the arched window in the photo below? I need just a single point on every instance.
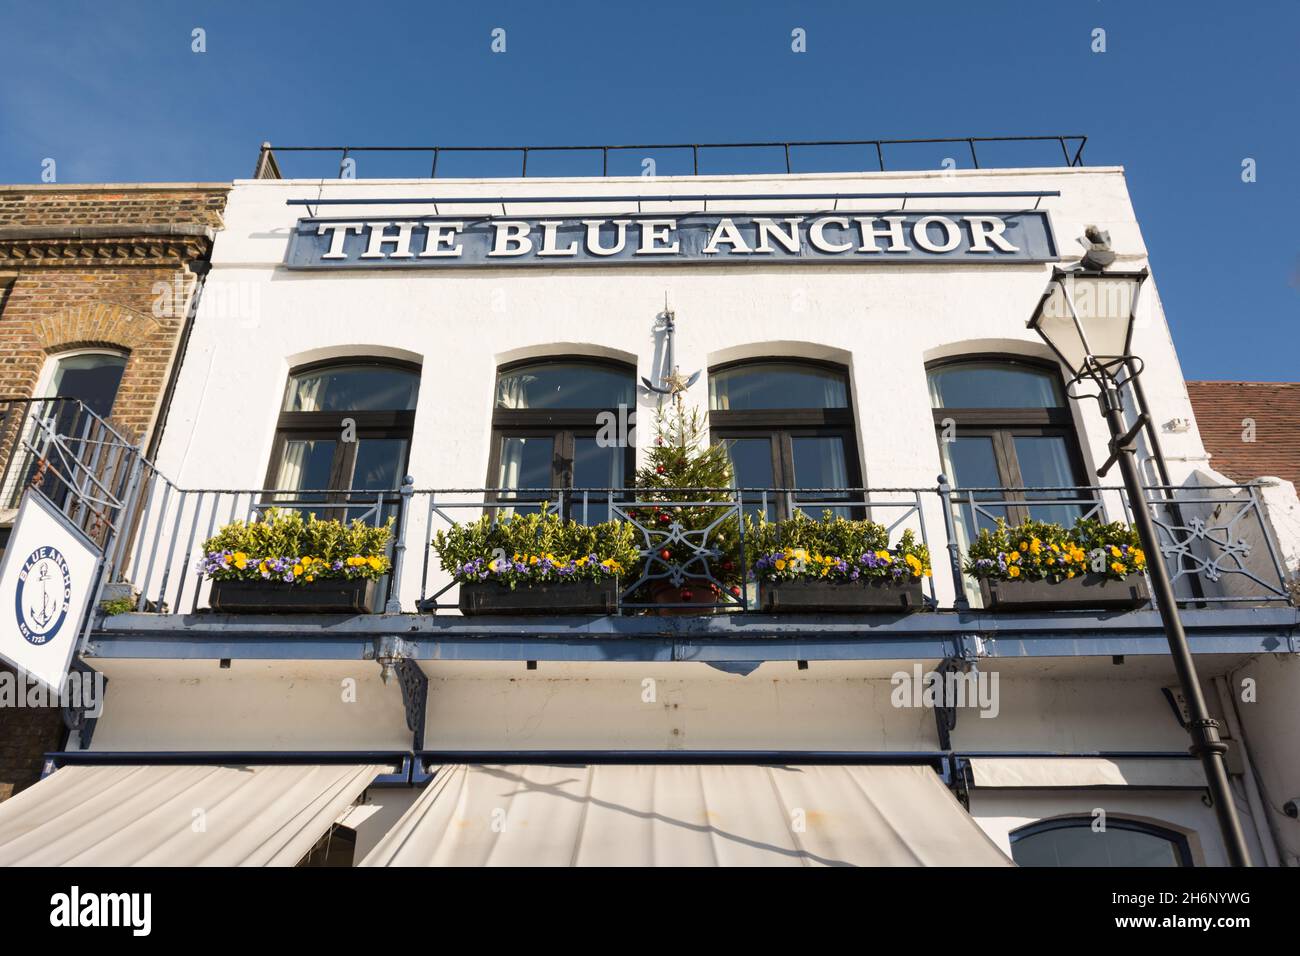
(345, 426)
(1005, 423)
(1072, 841)
(90, 377)
(551, 429)
(786, 424)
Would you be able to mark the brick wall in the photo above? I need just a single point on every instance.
(66, 292)
(114, 205)
(67, 289)
(26, 733)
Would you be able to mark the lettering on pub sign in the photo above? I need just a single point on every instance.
(915, 237)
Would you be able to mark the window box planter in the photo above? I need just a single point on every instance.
(873, 596)
(327, 596)
(560, 597)
(1087, 592)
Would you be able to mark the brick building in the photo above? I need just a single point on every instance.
(96, 283)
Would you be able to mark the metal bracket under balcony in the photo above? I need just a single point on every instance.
(718, 637)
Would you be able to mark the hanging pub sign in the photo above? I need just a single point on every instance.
(47, 581)
(438, 242)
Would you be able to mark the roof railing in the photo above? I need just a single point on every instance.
(268, 166)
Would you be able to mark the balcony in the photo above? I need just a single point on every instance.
(1215, 541)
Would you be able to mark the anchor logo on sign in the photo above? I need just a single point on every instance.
(43, 595)
(49, 606)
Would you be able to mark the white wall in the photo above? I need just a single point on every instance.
(252, 705)
(885, 321)
(1269, 721)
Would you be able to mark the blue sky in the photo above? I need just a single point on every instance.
(1183, 94)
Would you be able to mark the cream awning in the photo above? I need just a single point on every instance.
(1036, 772)
(136, 815)
(685, 815)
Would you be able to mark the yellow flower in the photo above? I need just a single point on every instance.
(1117, 567)
(1035, 546)
(1069, 574)
(883, 555)
(1014, 556)
(780, 564)
(581, 562)
(311, 577)
(1013, 572)
(1139, 556)
(1114, 551)
(375, 563)
(532, 559)
(1024, 545)
(297, 570)
(305, 561)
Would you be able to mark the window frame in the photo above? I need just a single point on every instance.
(782, 425)
(1004, 425)
(562, 425)
(1182, 846)
(328, 425)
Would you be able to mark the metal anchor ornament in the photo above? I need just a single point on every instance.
(673, 383)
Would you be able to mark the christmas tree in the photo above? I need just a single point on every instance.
(695, 547)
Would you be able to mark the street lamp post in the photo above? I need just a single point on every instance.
(1087, 319)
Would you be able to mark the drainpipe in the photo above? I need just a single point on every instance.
(200, 268)
(1267, 834)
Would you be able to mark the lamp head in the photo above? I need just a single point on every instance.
(1087, 317)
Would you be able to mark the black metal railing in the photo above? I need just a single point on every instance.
(868, 154)
(1221, 541)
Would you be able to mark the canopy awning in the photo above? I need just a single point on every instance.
(177, 815)
(685, 815)
(1082, 772)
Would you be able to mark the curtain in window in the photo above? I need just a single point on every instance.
(306, 393)
(512, 391)
(291, 465)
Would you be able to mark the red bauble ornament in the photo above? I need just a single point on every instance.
(659, 469)
(665, 554)
(687, 594)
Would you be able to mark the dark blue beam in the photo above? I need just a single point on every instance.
(706, 638)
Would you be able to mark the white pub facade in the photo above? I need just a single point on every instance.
(855, 337)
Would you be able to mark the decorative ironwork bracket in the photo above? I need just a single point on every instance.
(415, 698)
(945, 711)
(395, 660)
